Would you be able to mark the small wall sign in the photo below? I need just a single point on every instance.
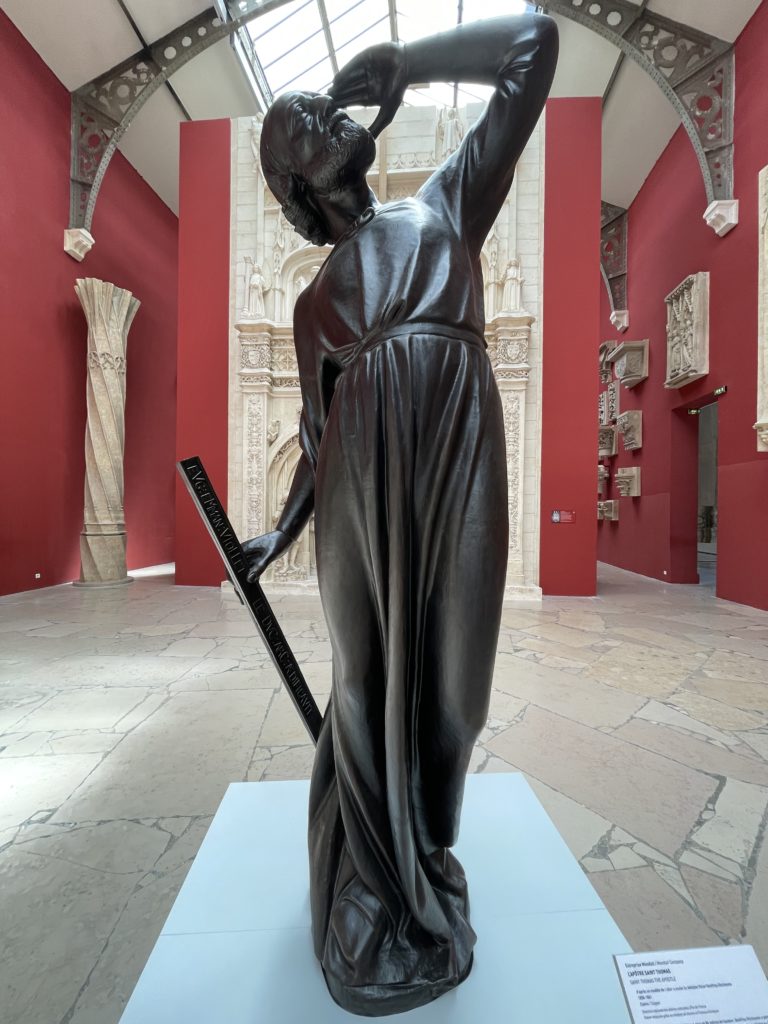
(563, 515)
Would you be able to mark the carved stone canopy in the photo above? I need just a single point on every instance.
(630, 426)
(627, 481)
(630, 362)
(688, 331)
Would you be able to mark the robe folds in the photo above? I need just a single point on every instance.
(402, 423)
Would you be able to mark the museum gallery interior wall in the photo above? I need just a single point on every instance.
(668, 241)
(43, 336)
(211, 283)
(571, 312)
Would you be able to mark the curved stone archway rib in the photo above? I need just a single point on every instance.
(695, 72)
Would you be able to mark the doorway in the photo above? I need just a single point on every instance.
(706, 538)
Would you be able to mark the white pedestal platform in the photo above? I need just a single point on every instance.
(236, 946)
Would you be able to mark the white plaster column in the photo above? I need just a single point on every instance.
(509, 337)
(109, 311)
(762, 324)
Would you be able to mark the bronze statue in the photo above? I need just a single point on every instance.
(404, 464)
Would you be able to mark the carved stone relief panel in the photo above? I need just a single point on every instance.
(630, 362)
(607, 442)
(602, 409)
(603, 475)
(604, 352)
(627, 481)
(688, 331)
(762, 338)
(612, 400)
(630, 426)
(608, 510)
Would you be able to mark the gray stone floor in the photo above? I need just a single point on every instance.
(640, 717)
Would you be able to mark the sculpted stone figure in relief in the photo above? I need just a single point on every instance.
(404, 465)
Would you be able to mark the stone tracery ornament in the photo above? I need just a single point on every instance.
(612, 401)
(608, 510)
(109, 311)
(688, 331)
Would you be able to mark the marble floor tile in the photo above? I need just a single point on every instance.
(638, 714)
(654, 798)
(693, 752)
(649, 912)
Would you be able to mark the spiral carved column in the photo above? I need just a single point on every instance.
(109, 311)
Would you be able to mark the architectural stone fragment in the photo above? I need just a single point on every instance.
(607, 442)
(722, 215)
(688, 331)
(628, 481)
(78, 243)
(603, 475)
(109, 311)
(630, 426)
(608, 510)
(602, 409)
(612, 398)
(604, 352)
(630, 362)
(762, 323)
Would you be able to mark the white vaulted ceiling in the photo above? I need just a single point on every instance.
(81, 39)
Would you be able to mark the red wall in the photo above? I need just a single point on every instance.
(571, 318)
(668, 240)
(43, 336)
(203, 339)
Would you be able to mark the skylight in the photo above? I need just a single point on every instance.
(302, 43)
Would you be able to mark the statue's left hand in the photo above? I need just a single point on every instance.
(378, 75)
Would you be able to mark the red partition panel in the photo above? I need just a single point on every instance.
(668, 240)
(203, 341)
(571, 321)
(43, 336)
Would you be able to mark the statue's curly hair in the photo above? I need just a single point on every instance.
(290, 191)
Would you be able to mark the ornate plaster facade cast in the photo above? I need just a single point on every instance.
(762, 324)
(603, 476)
(109, 311)
(688, 331)
(630, 426)
(628, 481)
(630, 362)
(271, 265)
(613, 401)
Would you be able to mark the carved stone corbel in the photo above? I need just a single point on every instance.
(630, 426)
(608, 510)
(688, 331)
(603, 476)
(630, 362)
(627, 481)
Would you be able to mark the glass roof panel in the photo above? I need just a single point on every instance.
(293, 50)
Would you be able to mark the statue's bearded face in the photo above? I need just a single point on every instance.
(320, 143)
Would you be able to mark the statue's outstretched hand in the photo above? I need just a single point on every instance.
(377, 76)
(262, 551)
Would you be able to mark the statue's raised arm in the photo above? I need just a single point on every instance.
(517, 55)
